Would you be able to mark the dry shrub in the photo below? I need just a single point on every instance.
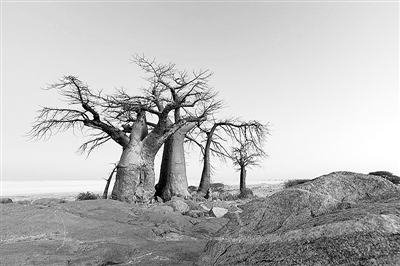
(87, 196)
(387, 175)
(294, 182)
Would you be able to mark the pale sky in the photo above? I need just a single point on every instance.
(325, 75)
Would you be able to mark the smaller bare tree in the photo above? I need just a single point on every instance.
(248, 152)
(212, 136)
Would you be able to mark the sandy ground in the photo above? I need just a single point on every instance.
(65, 196)
(259, 190)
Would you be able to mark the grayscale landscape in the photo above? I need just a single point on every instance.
(200, 133)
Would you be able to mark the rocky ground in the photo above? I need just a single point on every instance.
(342, 218)
(61, 231)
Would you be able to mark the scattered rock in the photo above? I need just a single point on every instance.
(217, 212)
(180, 206)
(193, 205)
(196, 213)
(5, 200)
(234, 208)
(198, 196)
(220, 204)
(215, 195)
(203, 207)
(342, 218)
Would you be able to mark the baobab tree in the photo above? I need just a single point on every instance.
(214, 135)
(139, 124)
(246, 153)
(180, 85)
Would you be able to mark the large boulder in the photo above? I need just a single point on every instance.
(342, 218)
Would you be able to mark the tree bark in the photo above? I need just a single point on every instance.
(173, 179)
(134, 181)
(206, 173)
(242, 179)
(105, 192)
(135, 177)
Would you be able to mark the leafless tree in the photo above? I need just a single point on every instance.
(247, 152)
(139, 124)
(213, 136)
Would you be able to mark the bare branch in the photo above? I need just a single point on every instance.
(92, 144)
(81, 114)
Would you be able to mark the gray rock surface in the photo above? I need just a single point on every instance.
(218, 212)
(204, 208)
(162, 209)
(101, 232)
(193, 205)
(341, 218)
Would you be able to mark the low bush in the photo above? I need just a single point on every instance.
(87, 196)
(387, 175)
(294, 182)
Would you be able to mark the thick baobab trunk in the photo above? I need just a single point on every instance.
(173, 179)
(135, 177)
(243, 180)
(134, 181)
